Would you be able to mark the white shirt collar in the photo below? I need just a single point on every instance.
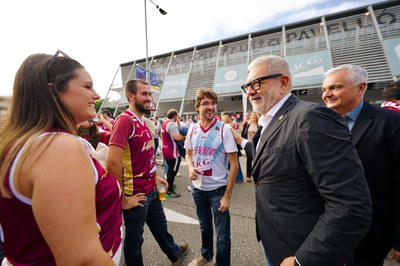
(265, 119)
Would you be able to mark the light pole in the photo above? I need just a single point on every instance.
(163, 12)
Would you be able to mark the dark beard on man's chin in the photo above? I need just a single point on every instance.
(209, 119)
(140, 107)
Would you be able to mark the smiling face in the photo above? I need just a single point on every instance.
(80, 97)
(141, 101)
(340, 94)
(207, 109)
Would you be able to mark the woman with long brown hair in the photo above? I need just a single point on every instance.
(49, 185)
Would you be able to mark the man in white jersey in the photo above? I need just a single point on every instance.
(210, 145)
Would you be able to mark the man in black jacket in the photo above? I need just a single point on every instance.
(376, 136)
(312, 200)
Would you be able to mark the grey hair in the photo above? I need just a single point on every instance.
(356, 75)
(275, 65)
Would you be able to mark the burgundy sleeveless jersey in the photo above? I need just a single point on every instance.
(169, 147)
(23, 243)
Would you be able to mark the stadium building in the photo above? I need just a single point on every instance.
(368, 36)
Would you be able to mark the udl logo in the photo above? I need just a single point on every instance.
(230, 75)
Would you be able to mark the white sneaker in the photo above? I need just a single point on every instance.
(178, 174)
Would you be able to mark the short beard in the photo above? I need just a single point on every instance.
(140, 107)
(205, 117)
(260, 107)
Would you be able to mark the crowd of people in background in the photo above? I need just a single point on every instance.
(327, 177)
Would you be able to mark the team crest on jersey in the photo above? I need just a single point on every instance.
(217, 128)
(137, 125)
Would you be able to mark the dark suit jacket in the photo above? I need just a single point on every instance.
(376, 135)
(312, 199)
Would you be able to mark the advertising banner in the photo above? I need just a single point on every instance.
(392, 51)
(308, 69)
(229, 79)
(154, 78)
(174, 87)
(140, 73)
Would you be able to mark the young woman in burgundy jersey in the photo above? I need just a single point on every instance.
(58, 206)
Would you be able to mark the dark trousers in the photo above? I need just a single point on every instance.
(371, 252)
(152, 213)
(155, 146)
(1, 252)
(249, 162)
(173, 167)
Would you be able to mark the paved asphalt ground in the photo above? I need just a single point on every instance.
(245, 249)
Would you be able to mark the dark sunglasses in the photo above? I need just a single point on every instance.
(53, 59)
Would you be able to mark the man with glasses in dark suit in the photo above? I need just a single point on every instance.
(312, 200)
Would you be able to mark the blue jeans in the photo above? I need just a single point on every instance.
(207, 202)
(155, 146)
(239, 176)
(152, 213)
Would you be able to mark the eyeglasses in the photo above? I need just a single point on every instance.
(53, 59)
(256, 83)
(207, 104)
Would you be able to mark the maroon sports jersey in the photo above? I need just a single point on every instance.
(23, 243)
(169, 147)
(139, 163)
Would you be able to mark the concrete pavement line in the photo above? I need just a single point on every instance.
(178, 217)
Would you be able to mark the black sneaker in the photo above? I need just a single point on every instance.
(172, 195)
(183, 250)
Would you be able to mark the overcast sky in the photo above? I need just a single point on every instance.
(102, 34)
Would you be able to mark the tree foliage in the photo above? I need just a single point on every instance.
(98, 104)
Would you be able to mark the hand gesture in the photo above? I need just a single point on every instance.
(394, 255)
(160, 180)
(237, 137)
(129, 202)
(193, 172)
